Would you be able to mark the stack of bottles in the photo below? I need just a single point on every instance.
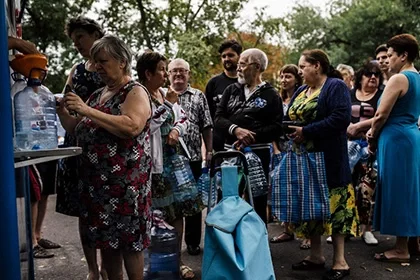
(34, 116)
(178, 171)
(162, 257)
(257, 179)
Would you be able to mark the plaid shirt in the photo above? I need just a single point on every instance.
(194, 102)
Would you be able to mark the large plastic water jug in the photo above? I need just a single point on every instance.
(257, 179)
(178, 171)
(35, 117)
(163, 259)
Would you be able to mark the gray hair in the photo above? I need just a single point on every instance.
(341, 67)
(116, 48)
(179, 61)
(258, 56)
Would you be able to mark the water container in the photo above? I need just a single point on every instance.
(163, 252)
(203, 185)
(19, 85)
(181, 178)
(256, 177)
(35, 118)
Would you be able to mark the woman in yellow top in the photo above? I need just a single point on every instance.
(323, 107)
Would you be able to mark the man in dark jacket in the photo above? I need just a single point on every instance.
(250, 114)
(230, 51)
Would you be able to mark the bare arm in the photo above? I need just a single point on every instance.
(22, 46)
(395, 88)
(135, 111)
(68, 121)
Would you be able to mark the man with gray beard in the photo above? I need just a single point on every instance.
(250, 114)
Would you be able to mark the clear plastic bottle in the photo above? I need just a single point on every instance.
(35, 118)
(163, 251)
(19, 85)
(256, 177)
(182, 180)
(203, 185)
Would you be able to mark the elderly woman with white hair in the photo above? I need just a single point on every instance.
(250, 114)
(112, 128)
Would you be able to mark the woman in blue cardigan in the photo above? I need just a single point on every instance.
(323, 107)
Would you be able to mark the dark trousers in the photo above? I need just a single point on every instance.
(193, 223)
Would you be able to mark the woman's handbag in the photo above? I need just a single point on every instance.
(299, 187)
(366, 193)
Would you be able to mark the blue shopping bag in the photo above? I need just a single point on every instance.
(299, 187)
(236, 239)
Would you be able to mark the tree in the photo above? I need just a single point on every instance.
(353, 29)
(43, 24)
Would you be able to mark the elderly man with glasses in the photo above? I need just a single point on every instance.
(250, 114)
(194, 102)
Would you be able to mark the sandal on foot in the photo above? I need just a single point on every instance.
(48, 244)
(336, 274)
(305, 245)
(41, 253)
(306, 265)
(278, 239)
(186, 272)
(382, 258)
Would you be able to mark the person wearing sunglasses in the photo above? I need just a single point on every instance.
(364, 99)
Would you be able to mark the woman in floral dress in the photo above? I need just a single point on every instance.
(112, 128)
(82, 80)
(323, 107)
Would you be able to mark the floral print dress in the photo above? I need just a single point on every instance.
(84, 84)
(344, 218)
(114, 181)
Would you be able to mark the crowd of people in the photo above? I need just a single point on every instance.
(128, 129)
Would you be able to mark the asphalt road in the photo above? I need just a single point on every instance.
(69, 263)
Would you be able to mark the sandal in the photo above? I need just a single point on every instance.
(305, 245)
(382, 258)
(48, 244)
(186, 272)
(41, 253)
(336, 274)
(278, 239)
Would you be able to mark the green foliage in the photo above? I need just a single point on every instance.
(43, 24)
(352, 30)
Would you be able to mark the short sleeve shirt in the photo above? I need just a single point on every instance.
(194, 102)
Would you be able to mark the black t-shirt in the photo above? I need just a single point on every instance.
(363, 110)
(215, 88)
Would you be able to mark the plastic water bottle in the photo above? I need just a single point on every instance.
(163, 251)
(203, 185)
(257, 179)
(146, 264)
(354, 152)
(19, 85)
(181, 178)
(35, 118)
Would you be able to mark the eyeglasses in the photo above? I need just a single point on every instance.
(370, 73)
(242, 65)
(180, 71)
